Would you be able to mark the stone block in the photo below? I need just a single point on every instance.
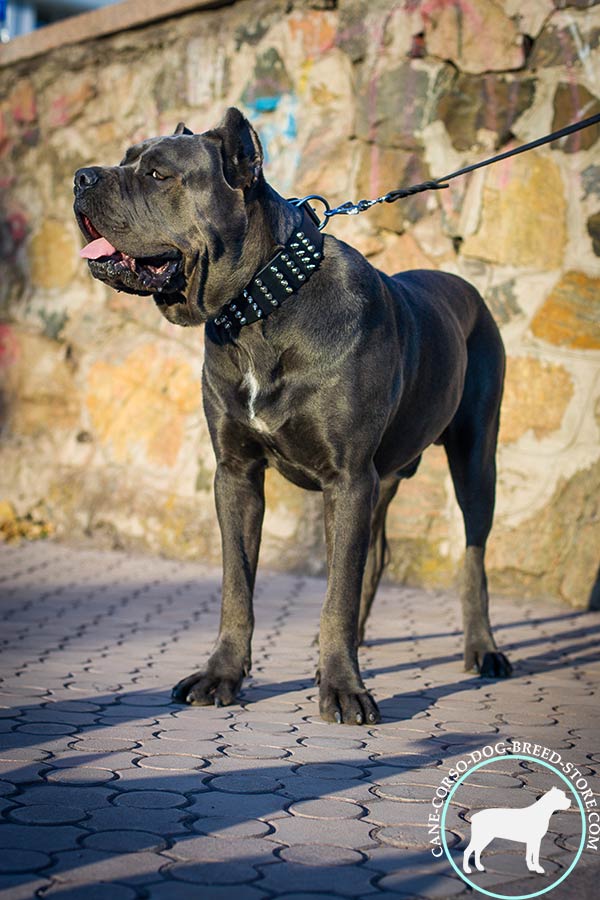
(570, 315)
(523, 214)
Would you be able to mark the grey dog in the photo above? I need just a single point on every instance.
(316, 363)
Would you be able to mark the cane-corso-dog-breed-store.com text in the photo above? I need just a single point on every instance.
(316, 363)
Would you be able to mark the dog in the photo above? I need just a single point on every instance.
(317, 364)
(528, 826)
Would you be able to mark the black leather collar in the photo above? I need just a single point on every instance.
(280, 280)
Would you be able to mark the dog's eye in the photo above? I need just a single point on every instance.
(157, 175)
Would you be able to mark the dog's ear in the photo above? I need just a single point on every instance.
(181, 129)
(242, 150)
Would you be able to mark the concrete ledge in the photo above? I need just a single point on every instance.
(100, 22)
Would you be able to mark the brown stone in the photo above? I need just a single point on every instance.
(53, 255)
(563, 44)
(477, 36)
(570, 316)
(493, 102)
(555, 551)
(573, 102)
(523, 215)
(392, 107)
(155, 392)
(23, 103)
(593, 227)
(536, 395)
(40, 391)
(381, 169)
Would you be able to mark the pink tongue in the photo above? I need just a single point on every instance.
(96, 249)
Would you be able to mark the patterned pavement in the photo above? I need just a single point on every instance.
(109, 790)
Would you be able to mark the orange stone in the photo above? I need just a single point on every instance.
(570, 316)
(536, 395)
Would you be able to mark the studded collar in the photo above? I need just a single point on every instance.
(280, 280)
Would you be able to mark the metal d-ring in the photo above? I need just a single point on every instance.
(320, 225)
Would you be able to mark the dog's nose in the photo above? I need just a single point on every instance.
(86, 178)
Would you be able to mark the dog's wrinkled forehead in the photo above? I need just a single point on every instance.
(173, 155)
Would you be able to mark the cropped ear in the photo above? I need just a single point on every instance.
(181, 129)
(242, 150)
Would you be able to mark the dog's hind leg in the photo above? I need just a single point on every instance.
(377, 557)
(470, 444)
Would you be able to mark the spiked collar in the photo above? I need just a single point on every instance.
(280, 280)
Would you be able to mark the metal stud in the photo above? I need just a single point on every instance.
(269, 295)
(316, 256)
(243, 320)
(295, 246)
(300, 234)
(301, 277)
(238, 315)
(258, 313)
(258, 282)
(279, 275)
(311, 247)
(274, 269)
(289, 290)
(306, 242)
(274, 302)
(295, 270)
(284, 257)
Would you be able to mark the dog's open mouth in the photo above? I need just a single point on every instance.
(151, 273)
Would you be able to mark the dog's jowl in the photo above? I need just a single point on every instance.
(317, 364)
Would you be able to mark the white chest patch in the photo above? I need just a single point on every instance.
(251, 384)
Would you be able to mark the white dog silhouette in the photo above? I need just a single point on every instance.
(527, 825)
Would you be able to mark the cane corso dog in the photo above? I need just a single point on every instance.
(317, 364)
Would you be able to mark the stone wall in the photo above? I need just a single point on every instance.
(102, 422)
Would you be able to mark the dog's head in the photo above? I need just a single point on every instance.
(172, 219)
(559, 798)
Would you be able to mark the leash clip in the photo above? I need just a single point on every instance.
(311, 212)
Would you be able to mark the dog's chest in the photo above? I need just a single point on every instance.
(251, 390)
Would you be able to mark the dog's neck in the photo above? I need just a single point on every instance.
(283, 264)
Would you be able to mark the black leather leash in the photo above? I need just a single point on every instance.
(352, 209)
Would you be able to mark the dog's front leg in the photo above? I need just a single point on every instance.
(239, 495)
(349, 503)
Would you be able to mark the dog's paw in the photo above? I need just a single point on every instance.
(347, 708)
(488, 663)
(206, 689)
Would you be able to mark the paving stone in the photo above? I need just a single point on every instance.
(341, 832)
(173, 762)
(31, 837)
(237, 807)
(91, 892)
(288, 877)
(320, 855)
(150, 799)
(215, 873)
(172, 890)
(164, 821)
(21, 774)
(94, 866)
(48, 814)
(23, 861)
(427, 885)
(80, 775)
(124, 841)
(327, 808)
(246, 783)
